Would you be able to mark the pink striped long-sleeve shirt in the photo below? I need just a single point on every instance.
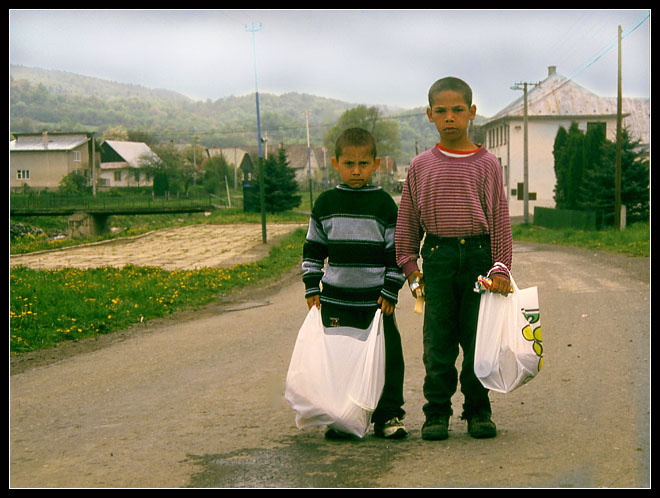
(450, 196)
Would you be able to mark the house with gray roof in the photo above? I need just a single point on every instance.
(40, 160)
(556, 101)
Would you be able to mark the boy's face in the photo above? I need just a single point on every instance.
(356, 165)
(451, 116)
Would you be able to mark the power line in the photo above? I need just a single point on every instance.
(599, 54)
(594, 58)
(302, 126)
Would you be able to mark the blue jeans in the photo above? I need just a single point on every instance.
(451, 267)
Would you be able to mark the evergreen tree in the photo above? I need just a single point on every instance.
(280, 186)
(585, 172)
(575, 158)
(558, 152)
(280, 183)
(598, 186)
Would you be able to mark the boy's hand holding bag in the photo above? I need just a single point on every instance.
(509, 349)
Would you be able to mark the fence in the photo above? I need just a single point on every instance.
(51, 204)
(567, 218)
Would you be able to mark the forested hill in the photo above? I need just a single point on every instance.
(59, 100)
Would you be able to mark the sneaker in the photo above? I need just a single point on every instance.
(436, 428)
(335, 434)
(480, 426)
(392, 429)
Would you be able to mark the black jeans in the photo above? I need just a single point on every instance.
(451, 267)
(391, 400)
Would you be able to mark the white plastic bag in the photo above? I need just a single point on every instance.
(336, 374)
(509, 349)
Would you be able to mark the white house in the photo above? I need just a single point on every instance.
(122, 164)
(556, 101)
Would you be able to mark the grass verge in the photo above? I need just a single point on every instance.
(49, 306)
(635, 240)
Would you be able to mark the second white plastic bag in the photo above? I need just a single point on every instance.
(336, 374)
(508, 350)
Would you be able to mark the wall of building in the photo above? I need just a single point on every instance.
(46, 168)
(509, 148)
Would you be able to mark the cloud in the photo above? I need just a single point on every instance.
(377, 57)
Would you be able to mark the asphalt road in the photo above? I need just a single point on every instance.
(197, 401)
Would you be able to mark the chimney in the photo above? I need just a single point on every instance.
(552, 70)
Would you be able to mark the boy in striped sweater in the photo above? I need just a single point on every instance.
(453, 195)
(352, 226)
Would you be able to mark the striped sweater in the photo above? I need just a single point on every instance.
(354, 230)
(450, 196)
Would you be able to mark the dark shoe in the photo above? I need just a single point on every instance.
(392, 429)
(436, 428)
(480, 426)
(335, 434)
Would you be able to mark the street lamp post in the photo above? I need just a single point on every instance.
(262, 183)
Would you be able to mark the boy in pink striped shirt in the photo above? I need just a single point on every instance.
(453, 199)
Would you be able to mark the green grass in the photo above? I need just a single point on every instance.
(49, 306)
(633, 241)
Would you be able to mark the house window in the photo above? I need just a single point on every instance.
(76, 156)
(23, 174)
(117, 176)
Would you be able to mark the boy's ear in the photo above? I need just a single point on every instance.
(334, 163)
(473, 112)
(429, 114)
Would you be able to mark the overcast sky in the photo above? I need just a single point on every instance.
(373, 57)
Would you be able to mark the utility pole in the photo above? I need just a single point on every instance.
(264, 139)
(93, 165)
(325, 165)
(262, 183)
(517, 86)
(309, 162)
(194, 145)
(617, 175)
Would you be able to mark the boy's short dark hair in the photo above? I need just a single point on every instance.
(356, 137)
(451, 83)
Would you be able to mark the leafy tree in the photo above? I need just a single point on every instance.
(116, 133)
(385, 132)
(164, 169)
(74, 184)
(161, 183)
(215, 171)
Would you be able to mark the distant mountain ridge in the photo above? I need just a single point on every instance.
(55, 99)
(67, 83)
